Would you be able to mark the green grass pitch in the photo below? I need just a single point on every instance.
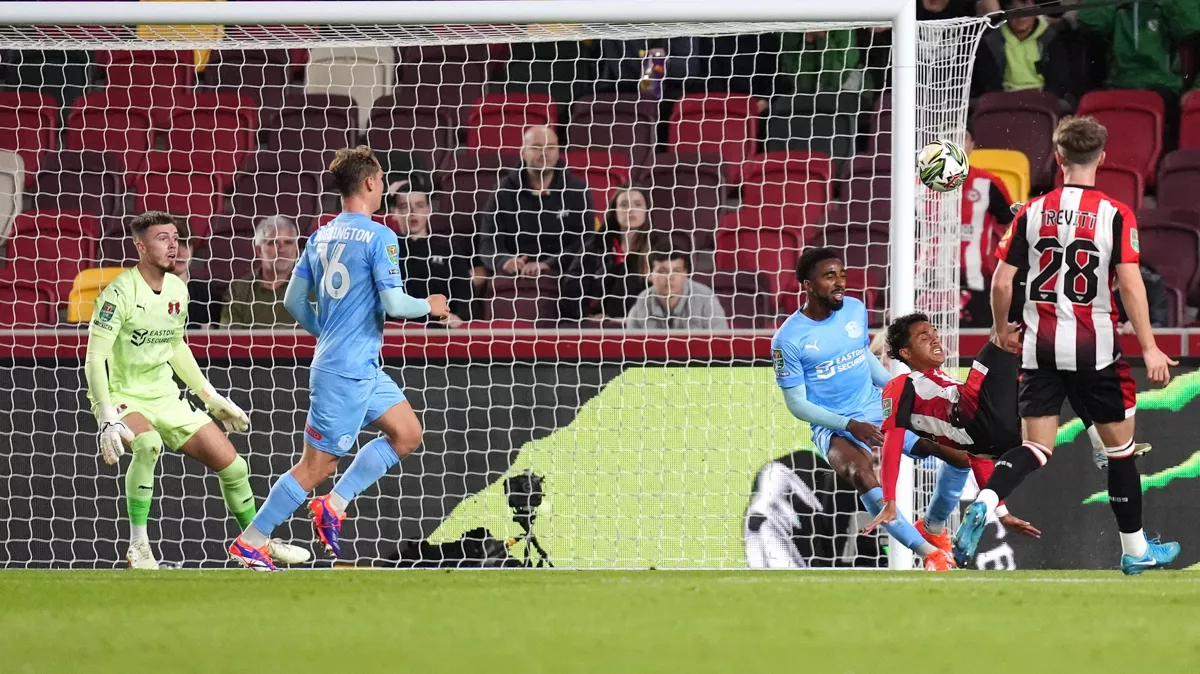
(624, 622)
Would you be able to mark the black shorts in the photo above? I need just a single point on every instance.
(1108, 396)
(994, 424)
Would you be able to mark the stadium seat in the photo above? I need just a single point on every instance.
(86, 181)
(1174, 252)
(1123, 183)
(867, 191)
(1022, 121)
(773, 252)
(621, 123)
(61, 74)
(603, 171)
(310, 129)
(1136, 119)
(686, 192)
(1010, 166)
(106, 123)
(231, 256)
(192, 195)
(29, 126)
(263, 189)
(86, 288)
(1189, 124)
(1179, 180)
(211, 133)
(722, 124)
(788, 188)
(12, 186)
(498, 121)
(879, 134)
(149, 80)
(743, 296)
(523, 299)
(418, 130)
(362, 73)
(469, 179)
(825, 124)
(51, 248)
(25, 304)
(445, 79)
(261, 74)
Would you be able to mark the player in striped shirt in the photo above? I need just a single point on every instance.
(1074, 246)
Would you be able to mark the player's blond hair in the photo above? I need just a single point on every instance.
(351, 167)
(1080, 140)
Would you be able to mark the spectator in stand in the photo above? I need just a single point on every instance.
(823, 62)
(1026, 53)
(538, 221)
(623, 66)
(735, 64)
(616, 266)
(928, 10)
(428, 261)
(985, 217)
(200, 300)
(1144, 40)
(257, 299)
(674, 301)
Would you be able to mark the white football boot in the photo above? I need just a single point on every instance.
(286, 553)
(140, 556)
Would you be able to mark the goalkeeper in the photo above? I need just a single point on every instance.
(135, 345)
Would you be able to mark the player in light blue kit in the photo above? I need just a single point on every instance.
(352, 265)
(831, 379)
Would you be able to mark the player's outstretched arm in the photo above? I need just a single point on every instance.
(879, 374)
(802, 408)
(185, 365)
(295, 300)
(112, 430)
(1133, 294)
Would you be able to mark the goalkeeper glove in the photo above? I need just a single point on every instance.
(113, 433)
(224, 409)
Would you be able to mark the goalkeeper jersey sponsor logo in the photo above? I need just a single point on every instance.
(142, 337)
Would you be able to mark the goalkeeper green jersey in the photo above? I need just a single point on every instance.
(142, 327)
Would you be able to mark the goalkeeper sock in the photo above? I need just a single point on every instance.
(286, 495)
(139, 481)
(373, 462)
(235, 488)
(946, 492)
(900, 528)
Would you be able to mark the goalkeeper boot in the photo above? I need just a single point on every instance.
(1157, 556)
(327, 523)
(941, 541)
(140, 556)
(258, 559)
(285, 553)
(969, 532)
(939, 560)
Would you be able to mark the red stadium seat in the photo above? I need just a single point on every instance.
(1022, 121)
(107, 123)
(310, 129)
(1122, 183)
(498, 121)
(774, 252)
(621, 123)
(721, 124)
(685, 196)
(1178, 178)
(788, 188)
(50, 248)
(523, 299)
(1189, 124)
(185, 194)
(414, 129)
(211, 134)
(445, 80)
(28, 126)
(603, 171)
(25, 304)
(150, 80)
(263, 189)
(1174, 252)
(261, 74)
(1134, 120)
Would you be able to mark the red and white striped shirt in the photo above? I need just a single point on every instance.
(985, 215)
(1068, 244)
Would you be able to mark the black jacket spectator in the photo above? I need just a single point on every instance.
(430, 267)
(928, 10)
(1054, 63)
(547, 228)
(735, 64)
(615, 263)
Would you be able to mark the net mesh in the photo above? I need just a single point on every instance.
(652, 424)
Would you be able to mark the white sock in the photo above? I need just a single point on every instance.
(925, 549)
(137, 532)
(1094, 436)
(337, 502)
(988, 498)
(253, 537)
(1134, 544)
(935, 528)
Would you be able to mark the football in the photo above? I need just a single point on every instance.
(942, 166)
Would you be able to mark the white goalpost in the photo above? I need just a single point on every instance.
(749, 131)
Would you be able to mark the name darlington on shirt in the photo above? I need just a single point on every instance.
(328, 232)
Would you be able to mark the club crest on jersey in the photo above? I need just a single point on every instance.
(777, 362)
(854, 330)
(345, 441)
(393, 253)
(173, 308)
(106, 311)
(973, 195)
(1133, 241)
(121, 408)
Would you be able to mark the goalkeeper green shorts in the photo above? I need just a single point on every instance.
(175, 418)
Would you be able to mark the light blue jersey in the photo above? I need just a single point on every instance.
(830, 359)
(349, 262)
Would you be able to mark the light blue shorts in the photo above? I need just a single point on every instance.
(339, 407)
(822, 436)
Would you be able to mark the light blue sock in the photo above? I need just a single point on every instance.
(946, 492)
(285, 496)
(373, 462)
(901, 529)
